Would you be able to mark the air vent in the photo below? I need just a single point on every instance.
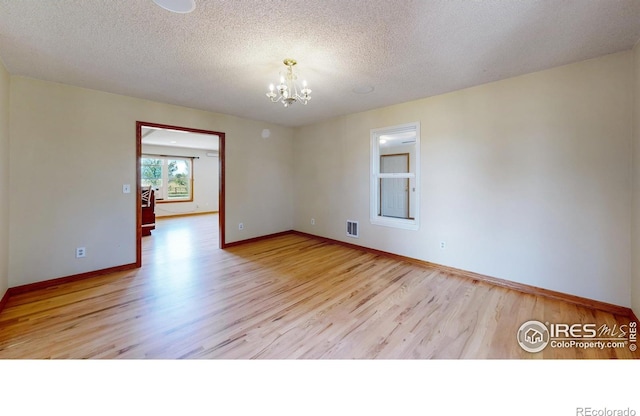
(352, 228)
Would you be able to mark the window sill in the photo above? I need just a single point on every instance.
(172, 201)
(395, 223)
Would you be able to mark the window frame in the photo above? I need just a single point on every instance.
(162, 195)
(375, 195)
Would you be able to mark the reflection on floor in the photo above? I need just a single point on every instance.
(285, 297)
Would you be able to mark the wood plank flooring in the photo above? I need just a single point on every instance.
(287, 297)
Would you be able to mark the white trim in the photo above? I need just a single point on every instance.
(407, 224)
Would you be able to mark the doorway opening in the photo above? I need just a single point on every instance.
(174, 185)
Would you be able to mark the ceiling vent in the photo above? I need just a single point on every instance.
(352, 228)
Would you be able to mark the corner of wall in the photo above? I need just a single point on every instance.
(4, 180)
(635, 216)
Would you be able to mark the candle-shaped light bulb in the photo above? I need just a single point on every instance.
(271, 87)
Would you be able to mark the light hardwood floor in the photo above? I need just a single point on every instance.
(286, 297)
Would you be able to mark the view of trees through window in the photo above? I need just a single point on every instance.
(169, 177)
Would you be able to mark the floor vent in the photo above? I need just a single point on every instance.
(352, 228)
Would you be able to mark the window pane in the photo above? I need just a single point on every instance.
(394, 163)
(152, 172)
(394, 197)
(179, 179)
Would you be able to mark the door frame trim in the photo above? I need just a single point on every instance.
(221, 180)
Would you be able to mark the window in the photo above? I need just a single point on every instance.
(395, 177)
(171, 177)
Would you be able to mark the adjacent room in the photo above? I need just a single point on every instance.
(179, 173)
(384, 180)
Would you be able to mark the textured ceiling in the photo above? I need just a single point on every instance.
(223, 55)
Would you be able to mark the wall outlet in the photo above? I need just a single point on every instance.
(126, 188)
(241, 226)
(81, 252)
(313, 221)
(443, 245)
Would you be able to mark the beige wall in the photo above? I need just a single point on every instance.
(635, 282)
(205, 182)
(4, 180)
(526, 179)
(71, 151)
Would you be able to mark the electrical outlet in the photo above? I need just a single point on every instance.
(241, 226)
(443, 245)
(126, 188)
(313, 221)
(81, 252)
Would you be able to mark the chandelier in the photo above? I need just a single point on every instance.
(288, 91)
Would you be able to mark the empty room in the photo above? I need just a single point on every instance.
(370, 180)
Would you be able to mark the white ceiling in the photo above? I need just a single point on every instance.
(397, 139)
(175, 138)
(222, 56)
